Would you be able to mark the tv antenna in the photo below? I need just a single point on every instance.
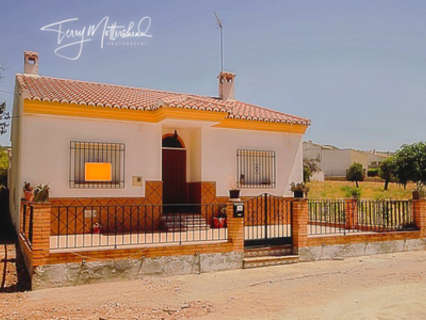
(219, 23)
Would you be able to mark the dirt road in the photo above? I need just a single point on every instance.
(376, 287)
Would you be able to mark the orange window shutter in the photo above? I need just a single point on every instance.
(98, 171)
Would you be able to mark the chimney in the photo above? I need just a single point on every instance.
(30, 62)
(226, 85)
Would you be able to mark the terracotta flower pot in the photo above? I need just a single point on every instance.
(28, 195)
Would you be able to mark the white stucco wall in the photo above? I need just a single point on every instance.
(42, 150)
(46, 152)
(335, 162)
(14, 175)
(219, 163)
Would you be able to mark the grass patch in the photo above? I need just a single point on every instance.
(369, 190)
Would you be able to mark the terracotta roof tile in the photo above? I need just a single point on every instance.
(114, 96)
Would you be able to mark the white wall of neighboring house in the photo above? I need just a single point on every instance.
(360, 157)
(335, 162)
(219, 162)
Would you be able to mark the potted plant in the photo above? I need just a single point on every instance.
(28, 191)
(299, 189)
(41, 193)
(234, 192)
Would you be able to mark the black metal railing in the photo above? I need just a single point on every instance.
(385, 215)
(116, 226)
(349, 216)
(27, 223)
(327, 217)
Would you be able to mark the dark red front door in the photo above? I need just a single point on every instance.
(174, 176)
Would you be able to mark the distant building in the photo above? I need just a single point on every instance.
(334, 161)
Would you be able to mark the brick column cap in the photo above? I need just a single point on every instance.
(41, 205)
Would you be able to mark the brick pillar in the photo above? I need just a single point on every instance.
(299, 223)
(235, 228)
(351, 213)
(40, 244)
(419, 214)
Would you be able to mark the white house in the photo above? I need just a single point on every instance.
(109, 143)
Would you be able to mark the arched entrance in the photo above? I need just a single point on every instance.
(174, 169)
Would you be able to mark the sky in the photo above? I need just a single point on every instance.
(357, 69)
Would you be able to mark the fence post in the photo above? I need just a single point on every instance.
(299, 223)
(351, 213)
(41, 232)
(419, 215)
(235, 228)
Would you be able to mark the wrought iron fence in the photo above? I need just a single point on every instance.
(116, 226)
(348, 216)
(327, 217)
(27, 223)
(385, 215)
(267, 220)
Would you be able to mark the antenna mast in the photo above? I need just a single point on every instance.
(219, 23)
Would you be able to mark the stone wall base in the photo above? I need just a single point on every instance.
(71, 274)
(327, 252)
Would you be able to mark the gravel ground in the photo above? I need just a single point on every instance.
(377, 287)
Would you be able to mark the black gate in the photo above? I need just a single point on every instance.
(267, 220)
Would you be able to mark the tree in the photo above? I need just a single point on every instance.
(410, 162)
(387, 170)
(309, 168)
(4, 115)
(355, 173)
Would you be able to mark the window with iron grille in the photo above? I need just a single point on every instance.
(255, 169)
(96, 165)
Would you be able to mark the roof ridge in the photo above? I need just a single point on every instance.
(101, 83)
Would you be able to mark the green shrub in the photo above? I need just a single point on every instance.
(387, 170)
(373, 172)
(352, 192)
(306, 174)
(355, 173)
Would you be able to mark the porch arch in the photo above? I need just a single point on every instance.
(172, 140)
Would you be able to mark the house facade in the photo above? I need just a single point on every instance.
(102, 143)
(334, 161)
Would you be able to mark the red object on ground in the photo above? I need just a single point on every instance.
(219, 222)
